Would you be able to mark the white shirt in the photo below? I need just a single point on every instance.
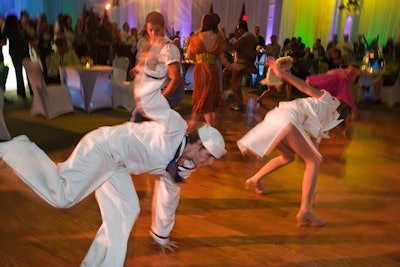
(149, 146)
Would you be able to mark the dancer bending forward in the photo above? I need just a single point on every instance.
(295, 127)
(104, 159)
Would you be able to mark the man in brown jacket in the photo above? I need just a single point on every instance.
(245, 54)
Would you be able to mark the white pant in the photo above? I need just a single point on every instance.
(89, 168)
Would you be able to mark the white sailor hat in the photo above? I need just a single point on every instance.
(212, 140)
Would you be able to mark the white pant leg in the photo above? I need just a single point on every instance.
(165, 201)
(119, 206)
(35, 169)
(64, 185)
(89, 166)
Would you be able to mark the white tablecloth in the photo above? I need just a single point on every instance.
(94, 80)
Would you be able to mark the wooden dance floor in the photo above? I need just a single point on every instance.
(218, 221)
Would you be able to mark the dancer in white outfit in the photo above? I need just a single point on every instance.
(103, 161)
(295, 127)
(173, 87)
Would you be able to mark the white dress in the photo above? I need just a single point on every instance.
(311, 116)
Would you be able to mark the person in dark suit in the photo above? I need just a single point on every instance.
(3, 69)
(259, 38)
(18, 49)
(245, 54)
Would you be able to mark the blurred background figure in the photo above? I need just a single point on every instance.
(18, 49)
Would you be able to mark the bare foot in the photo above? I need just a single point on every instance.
(258, 188)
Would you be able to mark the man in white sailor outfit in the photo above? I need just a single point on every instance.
(103, 161)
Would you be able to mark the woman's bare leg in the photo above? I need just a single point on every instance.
(295, 141)
(193, 121)
(210, 118)
(286, 156)
(266, 93)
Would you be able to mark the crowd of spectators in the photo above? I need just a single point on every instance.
(91, 37)
(95, 37)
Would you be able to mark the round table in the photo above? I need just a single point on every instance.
(94, 80)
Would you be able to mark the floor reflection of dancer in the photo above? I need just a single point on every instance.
(295, 127)
(104, 159)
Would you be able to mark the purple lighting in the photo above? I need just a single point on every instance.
(348, 26)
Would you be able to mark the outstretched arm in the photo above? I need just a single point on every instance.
(293, 80)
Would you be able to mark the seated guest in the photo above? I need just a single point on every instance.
(359, 48)
(387, 77)
(335, 58)
(125, 46)
(273, 49)
(318, 49)
(63, 56)
(346, 49)
(300, 66)
(260, 39)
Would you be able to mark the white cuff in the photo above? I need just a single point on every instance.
(159, 239)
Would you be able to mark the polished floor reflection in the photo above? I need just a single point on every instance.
(219, 222)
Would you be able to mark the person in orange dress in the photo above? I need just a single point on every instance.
(204, 49)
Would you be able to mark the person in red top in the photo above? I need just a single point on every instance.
(337, 82)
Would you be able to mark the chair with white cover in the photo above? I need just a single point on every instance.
(390, 94)
(4, 134)
(71, 78)
(122, 90)
(49, 100)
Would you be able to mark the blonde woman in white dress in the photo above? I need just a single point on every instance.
(295, 127)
